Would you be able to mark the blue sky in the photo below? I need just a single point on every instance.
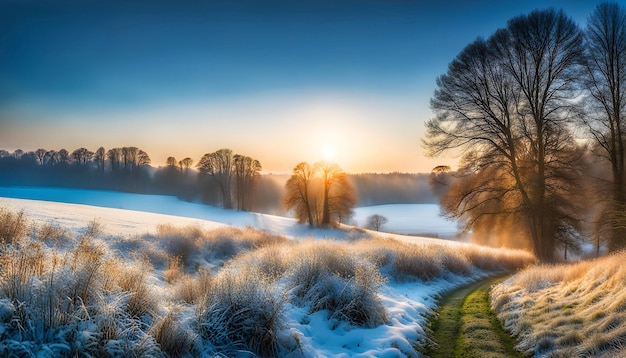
(283, 82)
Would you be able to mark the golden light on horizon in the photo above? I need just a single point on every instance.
(329, 153)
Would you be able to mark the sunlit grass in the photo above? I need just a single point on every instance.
(567, 310)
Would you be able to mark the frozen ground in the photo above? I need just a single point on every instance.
(124, 215)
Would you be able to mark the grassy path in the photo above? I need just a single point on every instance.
(467, 327)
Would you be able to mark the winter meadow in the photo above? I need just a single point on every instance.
(405, 183)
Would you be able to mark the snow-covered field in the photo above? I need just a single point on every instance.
(409, 219)
(407, 301)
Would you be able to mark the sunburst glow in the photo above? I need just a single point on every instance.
(329, 152)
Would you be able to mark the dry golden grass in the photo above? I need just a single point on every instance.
(560, 309)
(172, 338)
(174, 270)
(191, 289)
(50, 233)
(13, 226)
(18, 269)
(141, 300)
(190, 243)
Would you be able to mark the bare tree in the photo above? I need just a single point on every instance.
(185, 164)
(246, 172)
(605, 44)
(51, 158)
(319, 195)
(133, 159)
(440, 180)
(63, 157)
(40, 154)
(298, 196)
(142, 159)
(99, 159)
(82, 156)
(508, 103)
(376, 221)
(219, 165)
(338, 195)
(171, 162)
(114, 156)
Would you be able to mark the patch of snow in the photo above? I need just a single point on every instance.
(410, 219)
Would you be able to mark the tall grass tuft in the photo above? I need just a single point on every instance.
(325, 276)
(241, 312)
(191, 289)
(19, 267)
(13, 226)
(141, 299)
(172, 338)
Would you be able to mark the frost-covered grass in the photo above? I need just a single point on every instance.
(567, 310)
(74, 289)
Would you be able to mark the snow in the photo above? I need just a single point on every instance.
(124, 215)
(412, 219)
(133, 209)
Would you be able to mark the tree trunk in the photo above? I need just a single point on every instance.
(326, 208)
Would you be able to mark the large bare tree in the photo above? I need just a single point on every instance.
(299, 193)
(507, 103)
(219, 165)
(605, 44)
(320, 195)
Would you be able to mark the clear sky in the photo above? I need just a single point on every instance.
(281, 81)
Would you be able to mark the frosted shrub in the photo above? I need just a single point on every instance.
(241, 312)
(180, 242)
(271, 261)
(51, 234)
(225, 243)
(188, 243)
(19, 266)
(171, 336)
(354, 300)
(13, 226)
(190, 289)
(324, 276)
(141, 300)
(174, 270)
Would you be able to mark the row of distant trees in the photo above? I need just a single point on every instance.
(221, 178)
(515, 104)
(107, 169)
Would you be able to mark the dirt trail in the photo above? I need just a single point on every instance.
(467, 327)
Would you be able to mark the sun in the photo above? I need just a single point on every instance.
(329, 152)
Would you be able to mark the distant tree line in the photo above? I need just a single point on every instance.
(222, 178)
(516, 105)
